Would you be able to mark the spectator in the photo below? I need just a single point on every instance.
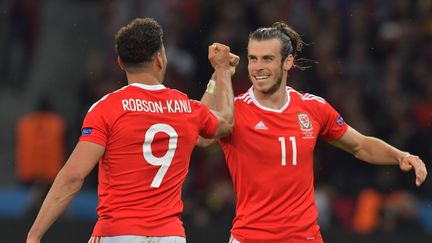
(40, 150)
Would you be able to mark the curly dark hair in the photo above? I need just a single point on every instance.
(138, 42)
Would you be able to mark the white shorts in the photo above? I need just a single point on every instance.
(233, 240)
(137, 239)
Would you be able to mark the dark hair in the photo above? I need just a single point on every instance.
(139, 41)
(291, 41)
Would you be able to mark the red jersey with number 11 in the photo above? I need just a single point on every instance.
(148, 132)
(270, 157)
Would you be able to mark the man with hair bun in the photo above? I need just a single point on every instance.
(270, 150)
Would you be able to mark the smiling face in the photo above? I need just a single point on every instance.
(267, 71)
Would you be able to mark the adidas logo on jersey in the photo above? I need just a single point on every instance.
(260, 125)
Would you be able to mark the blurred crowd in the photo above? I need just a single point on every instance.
(370, 59)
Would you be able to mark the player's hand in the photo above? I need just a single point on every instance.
(219, 56)
(233, 62)
(414, 162)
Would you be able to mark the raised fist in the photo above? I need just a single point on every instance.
(233, 62)
(219, 56)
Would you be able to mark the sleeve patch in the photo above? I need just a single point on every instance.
(86, 131)
(340, 121)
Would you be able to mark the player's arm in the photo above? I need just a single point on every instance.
(209, 97)
(376, 151)
(217, 95)
(224, 105)
(66, 185)
(219, 56)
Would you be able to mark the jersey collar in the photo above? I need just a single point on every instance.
(255, 101)
(148, 87)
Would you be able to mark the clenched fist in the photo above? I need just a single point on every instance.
(219, 56)
(234, 61)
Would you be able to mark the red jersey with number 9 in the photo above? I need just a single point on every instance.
(270, 157)
(148, 132)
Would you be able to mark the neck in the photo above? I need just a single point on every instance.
(143, 78)
(274, 100)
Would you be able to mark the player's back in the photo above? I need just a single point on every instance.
(149, 133)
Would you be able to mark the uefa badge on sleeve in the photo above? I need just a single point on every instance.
(86, 131)
(340, 121)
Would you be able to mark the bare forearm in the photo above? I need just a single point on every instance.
(376, 151)
(59, 197)
(223, 62)
(209, 98)
(224, 95)
(219, 97)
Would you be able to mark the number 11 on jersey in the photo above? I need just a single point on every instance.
(283, 150)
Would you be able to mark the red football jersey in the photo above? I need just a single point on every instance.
(270, 157)
(148, 132)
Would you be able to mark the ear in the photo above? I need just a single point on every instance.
(159, 60)
(288, 62)
(120, 63)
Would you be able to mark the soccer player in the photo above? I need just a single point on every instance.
(142, 135)
(270, 150)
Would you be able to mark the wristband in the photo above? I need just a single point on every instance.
(211, 87)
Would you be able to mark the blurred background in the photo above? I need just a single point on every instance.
(372, 62)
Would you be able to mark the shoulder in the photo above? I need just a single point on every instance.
(313, 104)
(196, 104)
(243, 98)
(175, 94)
(179, 95)
(178, 92)
(105, 100)
(307, 98)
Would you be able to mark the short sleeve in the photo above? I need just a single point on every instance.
(209, 122)
(94, 128)
(333, 126)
